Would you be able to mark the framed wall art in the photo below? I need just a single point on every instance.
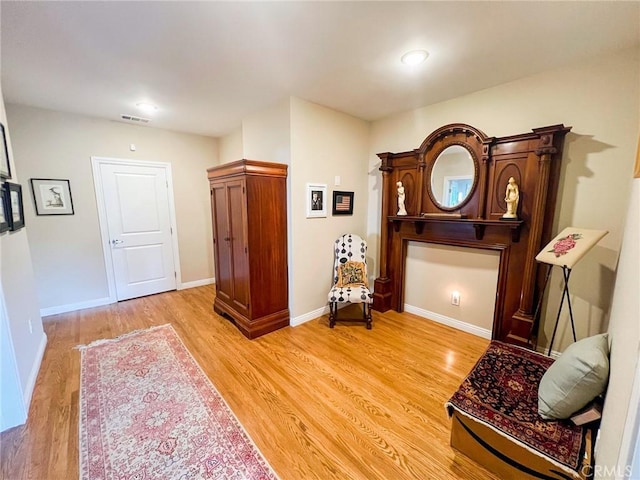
(316, 200)
(15, 207)
(51, 196)
(5, 165)
(4, 215)
(342, 203)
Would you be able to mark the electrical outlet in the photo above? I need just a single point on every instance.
(455, 298)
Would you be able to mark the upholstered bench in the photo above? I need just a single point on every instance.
(495, 420)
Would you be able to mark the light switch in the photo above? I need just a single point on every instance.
(337, 181)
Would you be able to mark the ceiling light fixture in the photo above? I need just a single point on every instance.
(146, 107)
(414, 57)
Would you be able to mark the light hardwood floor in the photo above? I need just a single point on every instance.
(347, 403)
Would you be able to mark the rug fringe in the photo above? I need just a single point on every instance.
(102, 341)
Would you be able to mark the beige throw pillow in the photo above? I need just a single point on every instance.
(577, 377)
(352, 274)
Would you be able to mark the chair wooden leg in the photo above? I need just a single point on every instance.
(333, 313)
(366, 313)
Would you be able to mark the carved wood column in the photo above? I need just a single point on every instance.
(525, 312)
(382, 284)
(484, 175)
(420, 183)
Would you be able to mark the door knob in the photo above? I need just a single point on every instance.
(116, 242)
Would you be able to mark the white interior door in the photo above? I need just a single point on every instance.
(136, 204)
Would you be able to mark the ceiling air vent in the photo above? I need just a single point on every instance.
(134, 118)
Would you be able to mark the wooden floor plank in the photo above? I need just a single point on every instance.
(320, 403)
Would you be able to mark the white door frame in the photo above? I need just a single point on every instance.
(102, 216)
(13, 405)
(629, 456)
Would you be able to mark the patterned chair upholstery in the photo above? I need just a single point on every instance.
(349, 248)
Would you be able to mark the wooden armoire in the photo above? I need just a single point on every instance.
(249, 213)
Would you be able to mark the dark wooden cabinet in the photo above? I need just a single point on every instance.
(249, 213)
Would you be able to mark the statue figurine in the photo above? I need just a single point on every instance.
(401, 208)
(511, 197)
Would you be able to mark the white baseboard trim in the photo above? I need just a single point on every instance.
(306, 317)
(31, 382)
(72, 307)
(554, 353)
(451, 322)
(99, 302)
(197, 283)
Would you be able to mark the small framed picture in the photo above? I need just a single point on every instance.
(316, 200)
(342, 203)
(51, 196)
(15, 207)
(5, 166)
(4, 215)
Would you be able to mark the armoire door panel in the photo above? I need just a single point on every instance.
(238, 244)
(222, 250)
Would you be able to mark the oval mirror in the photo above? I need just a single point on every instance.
(452, 177)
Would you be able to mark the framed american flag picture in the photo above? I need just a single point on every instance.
(342, 203)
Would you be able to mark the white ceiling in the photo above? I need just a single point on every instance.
(209, 64)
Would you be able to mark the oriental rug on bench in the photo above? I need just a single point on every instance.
(501, 395)
(147, 411)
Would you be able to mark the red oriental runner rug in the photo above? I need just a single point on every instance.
(147, 411)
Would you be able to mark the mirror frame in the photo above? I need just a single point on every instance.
(476, 172)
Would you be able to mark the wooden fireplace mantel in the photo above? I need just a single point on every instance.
(478, 224)
(533, 159)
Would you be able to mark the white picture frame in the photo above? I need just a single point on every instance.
(316, 200)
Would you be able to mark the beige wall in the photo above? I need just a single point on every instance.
(317, 143)
(437, 270)
(266, 135)
(22, 352)
(67, 252)
(230, 146)
(599, 100)
(324, 143)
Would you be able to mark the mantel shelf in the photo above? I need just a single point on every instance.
(479, 224)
